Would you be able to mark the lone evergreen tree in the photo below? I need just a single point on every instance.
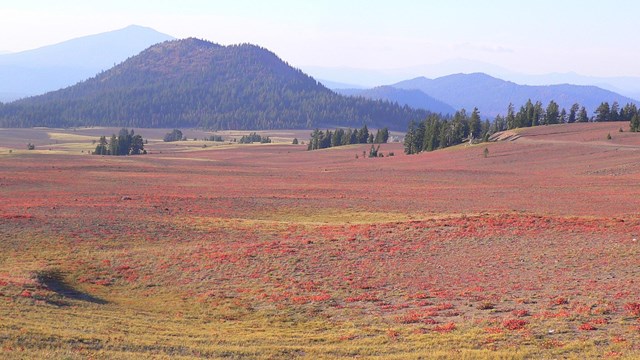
(373, 152)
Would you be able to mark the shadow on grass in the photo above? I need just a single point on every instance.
(54, 281)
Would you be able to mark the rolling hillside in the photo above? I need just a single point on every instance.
(195, 83)
(272, 251)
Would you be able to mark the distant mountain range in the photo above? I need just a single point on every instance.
(198, 83)
(492, 96)
(56, 66)
(414, 98)
(628, 86)
(195, 83)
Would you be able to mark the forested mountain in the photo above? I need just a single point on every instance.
(52, 67)
(492, 96)
(410, 97)
(195, 83)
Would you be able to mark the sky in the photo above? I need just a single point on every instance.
(590, 37)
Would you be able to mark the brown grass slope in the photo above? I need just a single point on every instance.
(271, 251)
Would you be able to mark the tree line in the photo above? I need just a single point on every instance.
(437, 131)
(339, 137)
(125, 143)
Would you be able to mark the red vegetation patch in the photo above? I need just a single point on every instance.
(362, 297)
(445, 328)
(520, 313)
(633, 308)
(15, 216)
(618, 339)
(393, 334)
(514, 324)
(588, 326)
(560, 301)
(410, 318)
(494, 330)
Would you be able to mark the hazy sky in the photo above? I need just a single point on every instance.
(591, 37)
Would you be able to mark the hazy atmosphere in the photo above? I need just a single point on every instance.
(319, 179)
(588, 37)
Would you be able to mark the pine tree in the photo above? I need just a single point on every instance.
(511, 118)
(582, 115)
(137, 145)
(431, 134)
(475, 125)
(603, 112)
(346, 139)
(409, 139)
(373, 151)
(101, 148)
(538, 114)
(552, 115)
(113, 145)
(363, 135)
(354, 137)
(529, 116)
(573, 113)
(635, 123)
(382, 136)
(614, 112)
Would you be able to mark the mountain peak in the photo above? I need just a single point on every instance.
(138, 27)
(196, 83)
(56, 66)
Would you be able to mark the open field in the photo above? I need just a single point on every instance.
(271, 251)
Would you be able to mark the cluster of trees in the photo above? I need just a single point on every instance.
(534, 114)
(438, 131)
(613, 112)
(126, 143)
(174, 135)
(374, 152)
(531, 114)
(191, 83)
(254, 138)
(322, 140)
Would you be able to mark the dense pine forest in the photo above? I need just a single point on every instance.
(437, 131)
(195, 83)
